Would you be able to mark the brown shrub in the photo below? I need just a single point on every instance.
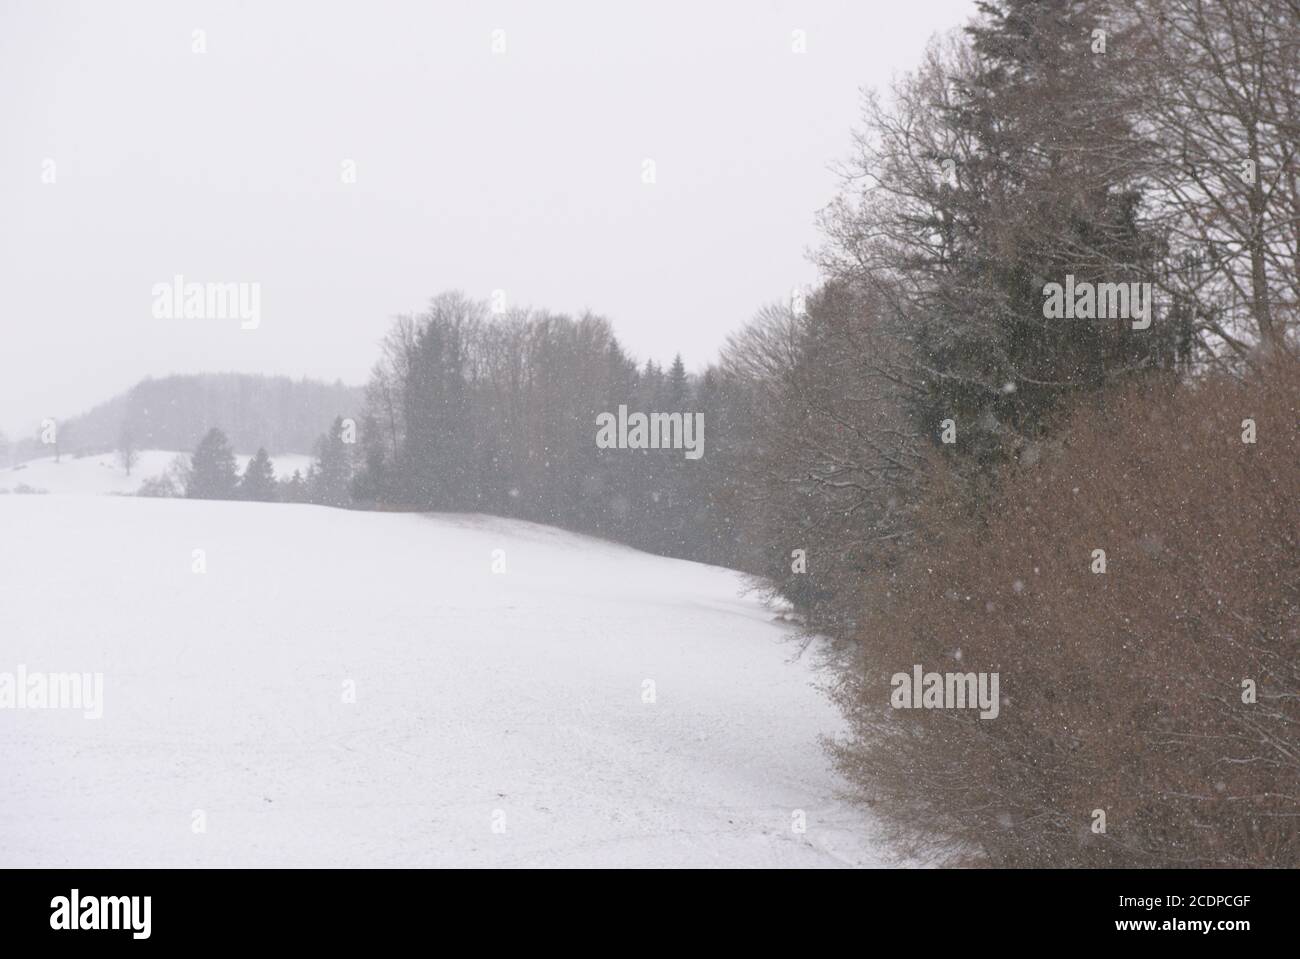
(1121, 691)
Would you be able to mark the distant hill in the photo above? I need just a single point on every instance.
(173, 413)
(103, 473)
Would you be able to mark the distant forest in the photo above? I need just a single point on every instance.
(174, 412)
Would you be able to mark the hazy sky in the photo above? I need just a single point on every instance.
(519, 170)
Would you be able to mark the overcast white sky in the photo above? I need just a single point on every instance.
(519, 171)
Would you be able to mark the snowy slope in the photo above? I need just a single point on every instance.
(511, 699)
(90, 475)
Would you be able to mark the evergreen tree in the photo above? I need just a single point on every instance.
(1036, 200)
(294, 489)
(679, 386)
(372, 483)
(331, 475)
(1005, 163)
(212, 468)
(258, 482)
(437, 455)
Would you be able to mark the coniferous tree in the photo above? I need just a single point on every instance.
(1008, 161)
(372, 484)
(293, 489)
(678, 385)
(258, 482)
(212, 468)
(330, 482)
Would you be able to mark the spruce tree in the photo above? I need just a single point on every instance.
(678, 384)
(212, 468)
(294, 489)
(258, 482)
(331, 474)
(1046, 190)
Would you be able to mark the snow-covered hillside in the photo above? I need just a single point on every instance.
(90, 475)
(587, 705)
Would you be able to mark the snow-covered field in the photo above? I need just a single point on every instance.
(103, 473)
(500, 718)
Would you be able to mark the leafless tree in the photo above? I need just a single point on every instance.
(1222, 105)
(127, 453)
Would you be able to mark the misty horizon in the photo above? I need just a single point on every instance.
(225, 166)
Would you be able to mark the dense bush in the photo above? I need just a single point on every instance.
(1121, 691)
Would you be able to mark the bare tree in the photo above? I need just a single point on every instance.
(1223, 105)
(127, 453)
